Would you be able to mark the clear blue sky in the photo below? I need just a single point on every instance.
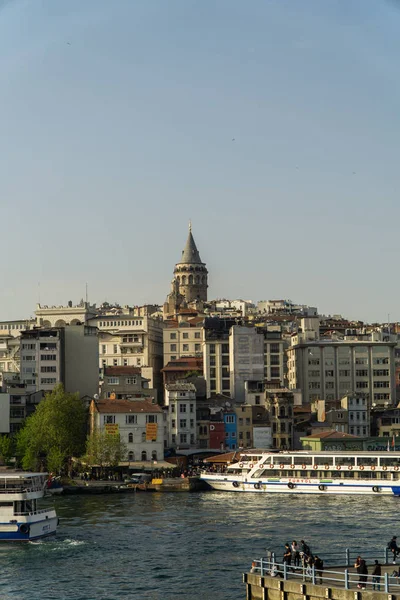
(117, 126)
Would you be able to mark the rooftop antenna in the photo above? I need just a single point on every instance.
(39, 290)
(190, 225)
(86, 293)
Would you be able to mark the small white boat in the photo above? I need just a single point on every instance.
(20, 517)
(307, 472)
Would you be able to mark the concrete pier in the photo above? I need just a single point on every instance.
(344, 586)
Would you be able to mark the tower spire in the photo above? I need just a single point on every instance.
(190, 225)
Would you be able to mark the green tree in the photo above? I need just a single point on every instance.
(7, 448)
(54, 433)
(104, 449)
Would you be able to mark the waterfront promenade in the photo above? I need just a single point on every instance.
(337, 581)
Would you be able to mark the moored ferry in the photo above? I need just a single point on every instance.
(308, 472)
(20, 517)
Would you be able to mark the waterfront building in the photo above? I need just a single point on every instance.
(124, 383)
(180, 402)
(230, 424)
(329, 368)
(358, 414)
(139, 422)
(244, 419)
(67, 355)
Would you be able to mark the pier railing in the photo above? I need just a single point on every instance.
(341, 577)
(348, 556)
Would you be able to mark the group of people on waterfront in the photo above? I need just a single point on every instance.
(300, 555)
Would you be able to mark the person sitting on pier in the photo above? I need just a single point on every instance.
(362, 570)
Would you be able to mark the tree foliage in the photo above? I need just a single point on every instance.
(104, 449)
(6, 448)
(54, 433)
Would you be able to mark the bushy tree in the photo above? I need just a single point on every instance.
(54, 433)
(104, 449)
(7, 448)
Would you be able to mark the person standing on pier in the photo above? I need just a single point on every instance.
(393, 547)
(319, 567)
(295, 554)
(376, 576)
(287, 555)
(362, 570)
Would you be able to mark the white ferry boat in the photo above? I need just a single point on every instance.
(307, 472)
(20, 517)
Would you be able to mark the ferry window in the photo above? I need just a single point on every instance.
(345, 460)
(323, 460)
(367, 461)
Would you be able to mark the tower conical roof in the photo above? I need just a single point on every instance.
(190, 254)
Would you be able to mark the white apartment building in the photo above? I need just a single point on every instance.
(331, 368)
(139, 422)
(180, 401)
(67, 355)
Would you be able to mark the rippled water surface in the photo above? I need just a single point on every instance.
(189, 546)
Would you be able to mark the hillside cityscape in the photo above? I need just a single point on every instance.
(206, 375)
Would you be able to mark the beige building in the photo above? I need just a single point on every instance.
(329, 368)
(67, 355)
(244, 417)
(131, 341)
(279, 404)
(183, 338)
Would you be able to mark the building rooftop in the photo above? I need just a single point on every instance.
(115, 371)
(180, 387)
(337, 435)
(137, 405)
(184, 364)
(190, 254)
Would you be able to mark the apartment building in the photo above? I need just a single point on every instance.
(67, 355)
(139, 423)
(128, 340)
(125, 383)
(183, 338)
(329, 368)
(180, 401)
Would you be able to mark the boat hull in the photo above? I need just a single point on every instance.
(292, 486)
(29, 530)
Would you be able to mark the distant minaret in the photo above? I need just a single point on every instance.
(191, 273)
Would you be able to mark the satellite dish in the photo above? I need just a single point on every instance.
(96, 396)
(228, 404)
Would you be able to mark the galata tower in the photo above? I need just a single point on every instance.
(191, 273)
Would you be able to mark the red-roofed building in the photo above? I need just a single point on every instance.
(138, 422)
